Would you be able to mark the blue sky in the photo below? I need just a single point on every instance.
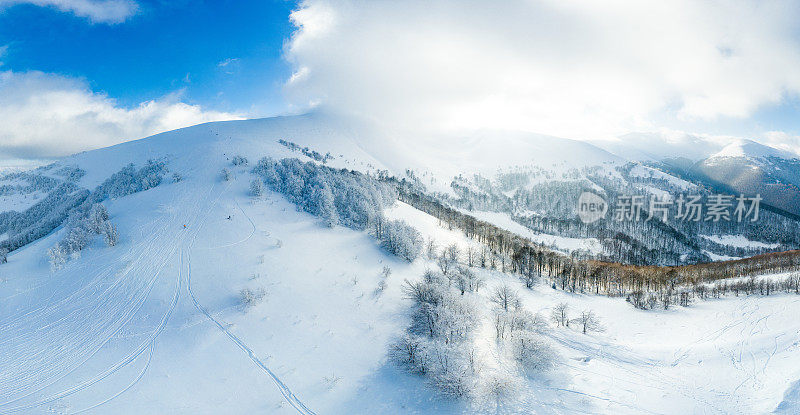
(224, 55)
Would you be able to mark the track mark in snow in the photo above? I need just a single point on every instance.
(285, 391)
(115, 302)
(130, 385)
(290, 397)
(149, 344)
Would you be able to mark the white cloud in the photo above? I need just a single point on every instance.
(98, 11)
(229, 66)
(782, 141)
(580, 69)
(46, 115)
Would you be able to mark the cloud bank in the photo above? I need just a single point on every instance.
(578, 69)
(46, 115)
(98, 11)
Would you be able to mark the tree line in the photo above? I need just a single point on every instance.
(509, 252)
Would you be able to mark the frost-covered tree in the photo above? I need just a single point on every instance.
(588, 321)
(402, 239)
(256, 188)
(506, 298)
(97, 218)
(344, 197)
(239, 160)
(110, 234)
(440, 344)
(466, 280)
(3, 255)
(452, 373)
(225, 174)
(430, 249)
(560, 314)
(410, 352)
(532, 352)
(81, 225)
(323, 204)
(250, 298)
(58, 258)
(508, 324)
(453, 253)
(130, 180)
(445, 265)
(78, 210)
(266, 168)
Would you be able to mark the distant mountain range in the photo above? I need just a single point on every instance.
(741, 166)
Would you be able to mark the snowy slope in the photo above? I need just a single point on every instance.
(659, 146)
(750, 149)
(154, 325)
(732, 355)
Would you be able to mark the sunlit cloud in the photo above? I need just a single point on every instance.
(578, 69)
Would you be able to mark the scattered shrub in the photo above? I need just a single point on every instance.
(226, 175)
(250, 298)
(239, 160)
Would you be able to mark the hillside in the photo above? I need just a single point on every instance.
(155, 322)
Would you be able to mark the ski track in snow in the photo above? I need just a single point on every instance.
(118, 320)
(83, 314)
(287, 393)
(72, 329)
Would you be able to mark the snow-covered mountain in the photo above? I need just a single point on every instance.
(730, 165)
(748, 167)
(193, 294)
(750, 149)
(656, 147)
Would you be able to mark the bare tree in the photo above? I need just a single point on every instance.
(430, 248)
(506, 298)
(588, 321)
(452, 252)
(444, 263)
(467, 281)
(560, 314)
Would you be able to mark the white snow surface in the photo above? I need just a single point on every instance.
(561, 243)
(648, 172)
(153, 325)
(739, 241)
(751, 149)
